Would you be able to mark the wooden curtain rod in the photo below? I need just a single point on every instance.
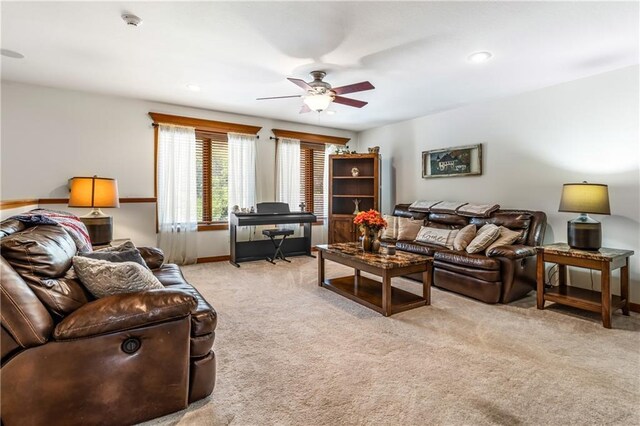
(158, 125)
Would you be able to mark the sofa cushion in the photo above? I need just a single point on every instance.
(485, 236)
(42, 255)
(464, 237)
(448, 220)
(103, 278)
(402, 210)
(204, 318)
(507, 237)
(468, 260)
(408, 228)
(436, 236)
(481, 274)
(418, 248)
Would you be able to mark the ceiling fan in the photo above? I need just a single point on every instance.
(320, 94)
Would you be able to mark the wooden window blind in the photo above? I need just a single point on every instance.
(212, 177)
(312, 177)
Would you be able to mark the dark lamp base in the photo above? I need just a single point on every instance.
(584, 236)
(100, 229)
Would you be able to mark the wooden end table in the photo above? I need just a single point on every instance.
(604, 260)
(379, 296)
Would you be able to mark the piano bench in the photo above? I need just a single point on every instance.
(272, 233)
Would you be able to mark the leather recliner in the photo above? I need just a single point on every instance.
(69, 359)
(505, 274)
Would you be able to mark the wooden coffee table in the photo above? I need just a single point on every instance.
(376, 295)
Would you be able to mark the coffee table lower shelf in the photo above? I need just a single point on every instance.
(368, 292)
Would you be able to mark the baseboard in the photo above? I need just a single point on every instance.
(213, 259)
(634, 307)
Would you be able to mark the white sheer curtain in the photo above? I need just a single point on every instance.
(177, 199)
(242, 170)
(329, 150)
(288, 172)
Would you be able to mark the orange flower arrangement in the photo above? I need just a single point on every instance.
(370, 220)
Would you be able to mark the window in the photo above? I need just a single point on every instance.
(312, 177)
(212, 175)
(212, 164)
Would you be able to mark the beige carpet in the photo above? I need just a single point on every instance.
(291, 353)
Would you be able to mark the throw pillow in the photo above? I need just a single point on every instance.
(132, 255)
(507, 236)
(408, 228)
(464, 237)
(485, 236)
(391, 231)
(103, 278)
(437, 236)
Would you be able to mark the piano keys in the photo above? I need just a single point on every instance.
(260, 249)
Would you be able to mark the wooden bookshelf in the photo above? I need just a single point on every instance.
(344, 188)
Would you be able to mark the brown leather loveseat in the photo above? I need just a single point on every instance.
(504, 274)
(69, 359)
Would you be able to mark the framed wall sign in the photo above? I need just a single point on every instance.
(454, 161)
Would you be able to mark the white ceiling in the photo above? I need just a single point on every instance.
(414, 52)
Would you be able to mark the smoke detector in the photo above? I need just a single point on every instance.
(131, 19)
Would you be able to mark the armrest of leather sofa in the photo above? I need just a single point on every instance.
(512, 252)
(153, 257)
(124, 312)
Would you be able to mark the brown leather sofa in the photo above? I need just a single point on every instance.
(504, 274)
(68, 359)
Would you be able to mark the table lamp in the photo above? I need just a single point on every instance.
(583, 232)
(95, 192)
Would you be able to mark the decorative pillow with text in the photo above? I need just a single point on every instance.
(437, 236)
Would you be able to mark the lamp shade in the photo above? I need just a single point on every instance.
(94, 192)
(585, 198)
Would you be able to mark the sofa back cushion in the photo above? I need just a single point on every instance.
(447, 220)
(42, 255)
(23, 315)
(402, 210)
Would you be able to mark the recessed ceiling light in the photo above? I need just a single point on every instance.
(193, 87)
(11, 54)
(330, 112)
(478, 57)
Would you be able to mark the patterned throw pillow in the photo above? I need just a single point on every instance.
(507, 236)
(103, 278)
(464, 237)
(408, 228)
(391, 231)
(485, 236)
(437, 236)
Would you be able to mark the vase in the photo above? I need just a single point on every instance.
(366, 241)
(375, 242)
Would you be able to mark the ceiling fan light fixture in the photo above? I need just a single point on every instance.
(318, 102)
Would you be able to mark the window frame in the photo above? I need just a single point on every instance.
(202, 126)
(313, 139)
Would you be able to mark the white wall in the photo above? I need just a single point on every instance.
(532, 144)
(49, 135)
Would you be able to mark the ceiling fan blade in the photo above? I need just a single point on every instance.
(351, 102)
(305, 108)
(278, 97)
(300, 83)
(351, 88)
